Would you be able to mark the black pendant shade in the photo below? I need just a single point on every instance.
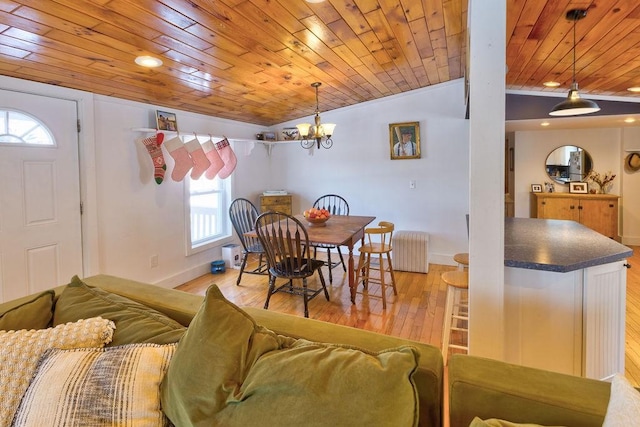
(574, 105)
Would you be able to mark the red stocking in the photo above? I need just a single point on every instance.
(152, 144)
(216, 162)
(228, 157)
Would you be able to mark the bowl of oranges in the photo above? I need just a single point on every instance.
(316, 217)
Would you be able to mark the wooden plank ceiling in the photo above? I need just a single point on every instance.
(254, 60)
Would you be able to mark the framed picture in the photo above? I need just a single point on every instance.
(166, 121)
(536, 188)
(578, 187)
(404, 140)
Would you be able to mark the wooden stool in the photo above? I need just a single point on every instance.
(462, 259)
(457, 282)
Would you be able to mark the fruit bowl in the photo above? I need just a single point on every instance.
(316, 217)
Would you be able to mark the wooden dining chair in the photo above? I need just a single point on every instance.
(286, 244)
(377, 242)
(243, 215)
(336, 205)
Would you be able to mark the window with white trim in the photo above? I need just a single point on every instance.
(207, 212)
(17, 127)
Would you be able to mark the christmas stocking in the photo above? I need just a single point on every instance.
(228, 157)
(180, 154)
(152, 144)
(200, 160)
(214, 158)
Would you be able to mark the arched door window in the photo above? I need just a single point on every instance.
(21, 128)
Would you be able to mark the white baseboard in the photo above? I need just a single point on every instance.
(184, 276)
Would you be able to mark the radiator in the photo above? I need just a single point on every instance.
(411, 251)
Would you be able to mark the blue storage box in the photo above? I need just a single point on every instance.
(217, 267)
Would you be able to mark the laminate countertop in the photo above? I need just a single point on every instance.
(557, 245)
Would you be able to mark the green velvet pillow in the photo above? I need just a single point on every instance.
(33, 314)
(135, 322)
(229, 371)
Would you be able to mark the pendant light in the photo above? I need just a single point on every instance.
(318, 134)
(574, 105)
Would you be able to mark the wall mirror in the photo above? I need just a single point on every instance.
(568, 164)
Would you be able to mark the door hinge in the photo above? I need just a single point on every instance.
(81, 208)
(79, 126)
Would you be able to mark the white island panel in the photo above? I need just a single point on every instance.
(604, 305)
(543, 322)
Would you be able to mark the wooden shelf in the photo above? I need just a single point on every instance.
(267, 144)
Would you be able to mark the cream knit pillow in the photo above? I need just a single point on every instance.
(21, 350)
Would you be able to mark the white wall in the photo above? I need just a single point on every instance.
(358, 166)
(630, 190)
(138, 218)
(533, 147)
(128, 217)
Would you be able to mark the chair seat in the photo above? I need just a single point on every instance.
(305, 270)
(375, 248)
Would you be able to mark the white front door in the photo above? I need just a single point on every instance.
(40, 229)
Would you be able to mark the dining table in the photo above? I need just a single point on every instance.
(339, 230)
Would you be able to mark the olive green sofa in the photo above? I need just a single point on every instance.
(182, 307)
(489, 389)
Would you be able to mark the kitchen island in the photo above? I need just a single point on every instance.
(565, 297)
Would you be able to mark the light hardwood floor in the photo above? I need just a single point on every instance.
(416, 313)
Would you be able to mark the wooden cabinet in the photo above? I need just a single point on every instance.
(596, 211)
(279, 203)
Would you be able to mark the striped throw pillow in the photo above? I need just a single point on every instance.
(21, 350)
(115, 386)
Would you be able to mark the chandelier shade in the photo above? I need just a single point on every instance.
(574, 105)
(317, 134)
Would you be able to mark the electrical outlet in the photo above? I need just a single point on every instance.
(153, 261)
(412, 184)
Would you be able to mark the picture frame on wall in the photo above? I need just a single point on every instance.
(578, 187)
(404, 140)
(166, 121)
(536, 188)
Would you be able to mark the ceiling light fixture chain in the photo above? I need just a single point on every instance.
(574, 105)
(318, 134)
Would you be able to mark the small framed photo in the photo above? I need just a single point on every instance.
(536, 188)
(578, 187)
(404, 140)
(166, 121)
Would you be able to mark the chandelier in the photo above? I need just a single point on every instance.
(574, 105)
(318, 134)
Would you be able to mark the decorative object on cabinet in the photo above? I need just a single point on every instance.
(574, 105)
(276, 202)
(166, 121)
(599, 212)
(549, 187)
(602, 183)
(578, 187)
(568, 163)
(632, 162)
(404, 140)
(536, 188)
(318, 134)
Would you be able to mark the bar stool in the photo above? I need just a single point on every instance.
(462, 259)
(378, 241)
(457, 283)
